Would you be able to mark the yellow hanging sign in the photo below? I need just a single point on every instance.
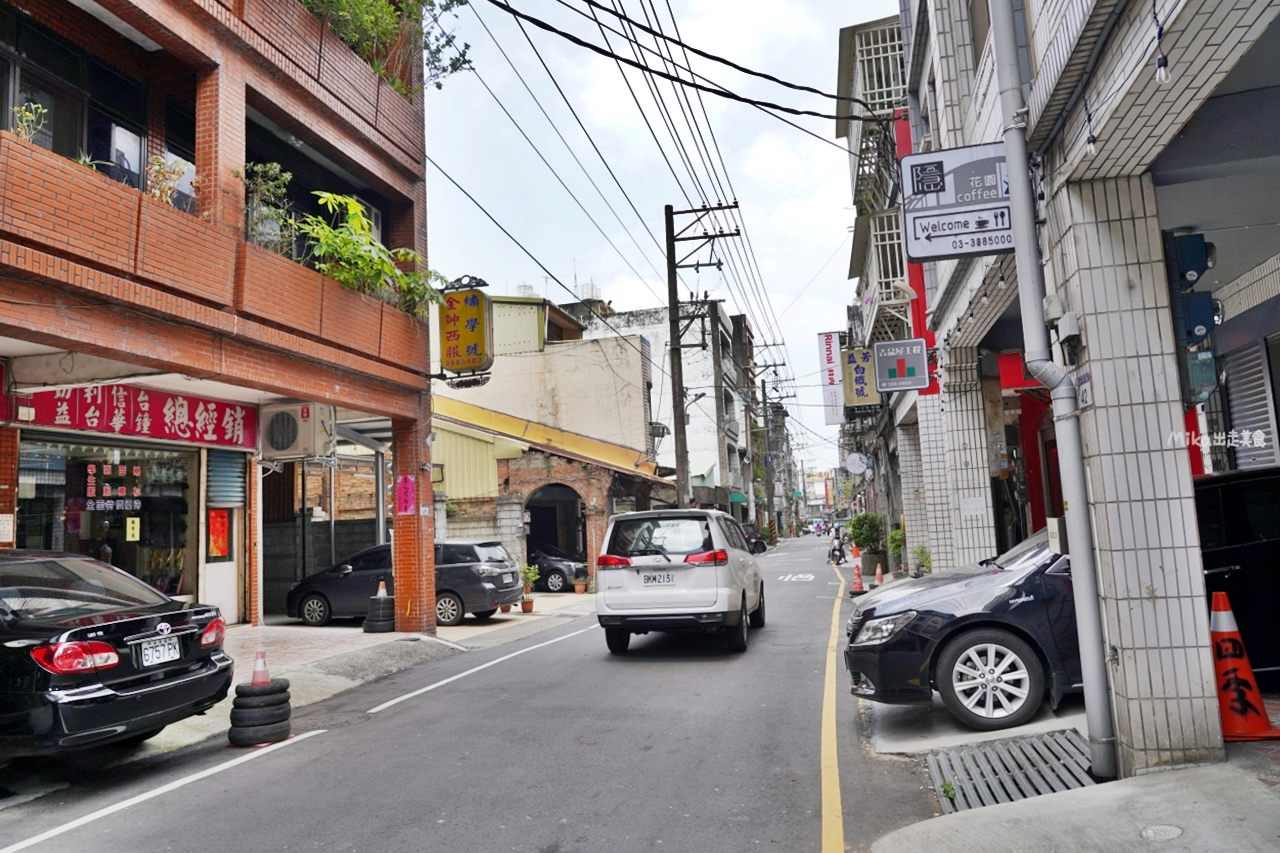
(466, 332)
(859, 378)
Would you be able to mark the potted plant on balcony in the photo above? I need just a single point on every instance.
(529, 576)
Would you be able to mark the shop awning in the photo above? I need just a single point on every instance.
(737, 498)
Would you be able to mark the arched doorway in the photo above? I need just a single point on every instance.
(557, 518)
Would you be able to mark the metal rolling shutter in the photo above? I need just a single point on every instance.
(1250, 405)
(226, 478)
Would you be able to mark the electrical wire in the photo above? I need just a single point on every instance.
(796, 298)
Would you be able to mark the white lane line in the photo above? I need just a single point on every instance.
(385, 705)
(150, 795)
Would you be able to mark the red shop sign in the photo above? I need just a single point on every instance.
(147, 413)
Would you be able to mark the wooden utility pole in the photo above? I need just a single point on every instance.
(674, 265)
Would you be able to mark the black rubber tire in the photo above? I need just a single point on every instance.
(379, 626)
(381, 609)
(483, 615)
(617, 639)
(268, 701)
(254, 735)
(314, 610)
(556, 581)
(738, 633)
(243, 718)
(275, 685)
(1034, 677)
(757, 616)
(449, 609)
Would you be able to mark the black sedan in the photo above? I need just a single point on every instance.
(556, 570)
(90, 655)
(472, 576)
(994, 639)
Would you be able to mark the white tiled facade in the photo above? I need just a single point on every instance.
(973, 536)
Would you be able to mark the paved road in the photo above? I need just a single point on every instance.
(548, 744)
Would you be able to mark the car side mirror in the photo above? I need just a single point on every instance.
(344, 570)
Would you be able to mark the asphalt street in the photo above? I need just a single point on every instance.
(547, 744)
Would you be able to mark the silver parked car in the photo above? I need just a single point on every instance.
(677, 570)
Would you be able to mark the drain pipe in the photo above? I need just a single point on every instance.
(1040, 364)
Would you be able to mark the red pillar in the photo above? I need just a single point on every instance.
(1192, 421)
(8, 478)
(413, 556)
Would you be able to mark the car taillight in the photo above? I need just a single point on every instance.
(610, 561)
(71, 658)
(718, 558)
(213, 633)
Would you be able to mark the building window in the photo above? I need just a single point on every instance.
(60, 131)
(116, 150)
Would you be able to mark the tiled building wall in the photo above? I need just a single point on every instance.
(933, 465)
(1251, 289)
(968, 472)
(914, 503)
(1108, 256)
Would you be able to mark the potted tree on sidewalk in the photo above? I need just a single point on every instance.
(867, 531)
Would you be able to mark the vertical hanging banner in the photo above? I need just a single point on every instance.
(832, 377)
(859, 378)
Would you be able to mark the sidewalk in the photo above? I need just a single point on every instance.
(1233, 806)
(322, 662)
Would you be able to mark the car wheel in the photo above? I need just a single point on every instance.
(483, 615)
(738, 633)
(448, 609)
(617, 640)
(990, 679)
(315, 610)
(555, 581)
(757, 618)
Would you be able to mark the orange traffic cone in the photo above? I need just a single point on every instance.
(856, 552)
(879, 575)
(1244, 716)
(261, 675)
(857, 588)
(382, 590)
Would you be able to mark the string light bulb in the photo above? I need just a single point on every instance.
(1091, 141)
(1163, 77)
(1000, 282)
(985, 298)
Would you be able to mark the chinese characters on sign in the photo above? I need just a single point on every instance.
(956, 203)
(1242, 438)
(859, 378)
(832, 377)
(901, 365)
(146, 413)
(466, 332)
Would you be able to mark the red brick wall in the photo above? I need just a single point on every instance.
(536, 469)
(414, 549)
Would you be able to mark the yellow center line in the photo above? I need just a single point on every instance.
(832, 810)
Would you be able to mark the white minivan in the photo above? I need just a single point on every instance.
(677, 570)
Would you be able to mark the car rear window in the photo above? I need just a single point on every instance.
(493, 552)
(62, 587)
(638, 537)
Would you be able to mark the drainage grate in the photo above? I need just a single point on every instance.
(1009, 770)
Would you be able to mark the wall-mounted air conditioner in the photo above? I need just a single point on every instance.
(297, 430)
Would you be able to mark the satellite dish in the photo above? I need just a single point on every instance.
(855, 463)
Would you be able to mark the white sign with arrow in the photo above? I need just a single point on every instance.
(956, 203)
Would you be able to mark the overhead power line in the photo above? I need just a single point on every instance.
(719, 92)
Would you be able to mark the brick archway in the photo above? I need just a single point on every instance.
(537, 469)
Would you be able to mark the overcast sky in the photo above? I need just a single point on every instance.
(793, 189)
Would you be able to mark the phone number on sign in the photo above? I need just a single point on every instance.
(982, 242)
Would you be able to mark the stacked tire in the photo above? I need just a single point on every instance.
(381, 618)
(260, 713)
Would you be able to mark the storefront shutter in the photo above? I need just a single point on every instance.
(226, 478)
(1249, 404)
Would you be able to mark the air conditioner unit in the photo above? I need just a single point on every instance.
(297, 430)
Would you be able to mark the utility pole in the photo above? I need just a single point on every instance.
(768, 452)
(1040, 364)
(674, 265)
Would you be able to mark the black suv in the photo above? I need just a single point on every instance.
(472, 576)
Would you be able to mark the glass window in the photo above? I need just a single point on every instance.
(1213, 532)
(493, 552)
(58, 129)
(126, 506)
(638, 537)
(185, 197)
(68, 587)
(116, 150)
(458, 554)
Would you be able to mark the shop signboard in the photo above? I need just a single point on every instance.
(138, 412)
(466, 332)
(902, 365)
(955, 203)
(832, 378)
(859, 378)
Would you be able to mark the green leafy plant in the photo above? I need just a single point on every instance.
(346, 250)
(450, 508)
(88, 162)
(948, 790)
(440, 51)
(268, 218)
(867, 531)
(163, 176)
(28, 120)
(922, 557)
(897, 541)
(529, 575)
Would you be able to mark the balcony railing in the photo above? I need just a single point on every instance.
(883, 295)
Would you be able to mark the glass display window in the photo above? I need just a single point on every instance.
(126, 505)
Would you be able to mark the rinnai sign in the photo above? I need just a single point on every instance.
(955, 203)
(143, 413)
(832, 378)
